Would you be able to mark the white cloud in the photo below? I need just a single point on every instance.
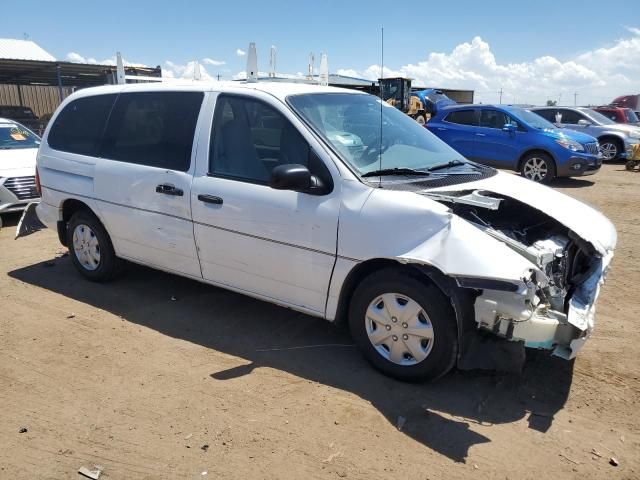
(240, 52)
(175, 70)
(215, 63)
(597, 75)
(77, 58)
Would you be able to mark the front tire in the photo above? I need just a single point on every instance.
(404, 326)
(90, 247)
(610, 149)
(538, 167)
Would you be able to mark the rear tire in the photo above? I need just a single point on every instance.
(404, 326)
(90, 247)
(538, 167)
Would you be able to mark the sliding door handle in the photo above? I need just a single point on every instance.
(167, 189)
(210, 199)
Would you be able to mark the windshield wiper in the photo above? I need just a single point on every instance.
(452, 163)
(395, 171)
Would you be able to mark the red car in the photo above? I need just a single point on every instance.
(618, 114)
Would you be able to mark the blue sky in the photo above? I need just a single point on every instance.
(512, 32)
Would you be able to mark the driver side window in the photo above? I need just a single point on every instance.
(250, 138)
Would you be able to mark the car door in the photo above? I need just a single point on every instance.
(143, 178)
(458, 130)
(275, 244)
(494, 146)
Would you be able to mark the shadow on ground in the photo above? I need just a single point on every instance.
(571, 182)
(438, 414)
(9, 220)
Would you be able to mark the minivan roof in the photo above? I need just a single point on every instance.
(278, 89)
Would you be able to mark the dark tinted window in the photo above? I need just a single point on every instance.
(462, 117)
(153, 128)
(571, 117)
(549, 115)
(79, 126)
(250, 138)
(495, 119)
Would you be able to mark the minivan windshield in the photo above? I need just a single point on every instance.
(351, 124)
(13, 135)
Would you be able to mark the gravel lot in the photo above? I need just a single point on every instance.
(157, 376)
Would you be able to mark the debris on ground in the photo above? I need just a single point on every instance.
(93, 474)
(614, 461)
(204, 447)
(71, 315)
(23, 430)
(331, 457)
(596, 452)
(401, 421)
(187, 437)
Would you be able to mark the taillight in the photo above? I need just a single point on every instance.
(38, 188)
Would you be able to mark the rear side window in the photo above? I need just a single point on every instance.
(153, 128)
(549, 115)
(571, 117)
(462, 117)
(79, 126)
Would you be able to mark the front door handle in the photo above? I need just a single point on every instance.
(169, 190)
(210, 199)
(480, 135)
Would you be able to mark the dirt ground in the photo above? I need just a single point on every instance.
(156, 376)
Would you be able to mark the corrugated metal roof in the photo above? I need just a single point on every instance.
(11, 48)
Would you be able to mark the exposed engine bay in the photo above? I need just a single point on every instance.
(555, 307)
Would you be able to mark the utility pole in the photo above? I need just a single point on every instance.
(500, 92)
(575, 99)
(218, 77)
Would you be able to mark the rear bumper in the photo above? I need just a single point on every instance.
(48, 214)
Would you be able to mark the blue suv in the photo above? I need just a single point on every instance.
(515, 138)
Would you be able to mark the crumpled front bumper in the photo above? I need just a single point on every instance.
(513, 316)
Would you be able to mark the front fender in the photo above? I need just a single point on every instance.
(410, 228)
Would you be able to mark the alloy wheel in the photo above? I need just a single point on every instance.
(399, 329)
(609, 150)
(535, 169)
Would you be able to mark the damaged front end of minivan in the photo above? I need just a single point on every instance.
(552, 307)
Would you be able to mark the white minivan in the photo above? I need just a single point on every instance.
(329, 202)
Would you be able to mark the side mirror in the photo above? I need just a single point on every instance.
(584, 123)
(509, 127)
(295, 177)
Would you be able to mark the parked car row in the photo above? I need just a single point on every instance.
(541, 143)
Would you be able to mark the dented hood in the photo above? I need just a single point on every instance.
(587, 222)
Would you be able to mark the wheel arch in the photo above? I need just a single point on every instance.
(67, 209)
(612, 137)
(461, 299)
(425, 272)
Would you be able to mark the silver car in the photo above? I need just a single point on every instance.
(18, 150)
(616, 139)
